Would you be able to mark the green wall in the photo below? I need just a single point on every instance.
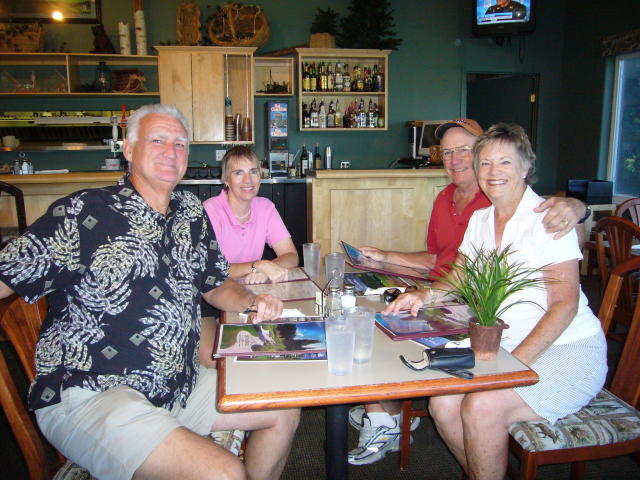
(426, 74)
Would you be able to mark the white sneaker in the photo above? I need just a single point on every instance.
(356, 413)
(374, 444)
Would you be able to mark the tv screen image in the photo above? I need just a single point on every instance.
(503, 17)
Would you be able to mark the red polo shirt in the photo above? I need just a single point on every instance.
(447, 227)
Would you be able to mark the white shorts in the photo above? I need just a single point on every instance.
(112, 433)
(570, 376)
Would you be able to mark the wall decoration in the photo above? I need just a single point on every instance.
(73, 11)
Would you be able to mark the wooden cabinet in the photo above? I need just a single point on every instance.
(273, 76)
(351, 57)
(197, 80)
(388, 209)
(69, 74)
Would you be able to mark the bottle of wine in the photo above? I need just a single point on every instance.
(306, 78)
(304, 161)
(317, 159)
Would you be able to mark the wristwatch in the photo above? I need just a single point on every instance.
(253, 267)
(587, 214)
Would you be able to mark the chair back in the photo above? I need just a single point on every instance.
(614, 238)
(20, 323)
(18, 196)
(626, 381)
(631, 209)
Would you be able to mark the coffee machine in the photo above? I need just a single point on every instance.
(277, 137)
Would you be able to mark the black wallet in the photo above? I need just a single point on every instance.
(453, 361)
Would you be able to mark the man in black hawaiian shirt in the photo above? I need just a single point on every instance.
(119, 388)
(518, 10)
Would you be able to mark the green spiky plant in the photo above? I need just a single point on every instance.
(486, 280)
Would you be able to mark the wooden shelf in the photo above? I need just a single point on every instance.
(350, 56)
(60, 74)
(272, 69)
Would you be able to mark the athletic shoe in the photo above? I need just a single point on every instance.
(356, 413)
(374, 443)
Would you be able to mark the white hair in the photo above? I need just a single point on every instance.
(133, 123)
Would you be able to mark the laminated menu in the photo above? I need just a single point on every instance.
(435, 321)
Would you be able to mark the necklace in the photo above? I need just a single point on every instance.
(243, 216)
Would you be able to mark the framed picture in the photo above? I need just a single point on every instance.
(69, 11)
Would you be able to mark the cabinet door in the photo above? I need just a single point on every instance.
(174, 74)
(208, 96)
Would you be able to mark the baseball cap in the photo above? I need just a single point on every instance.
(468, 124)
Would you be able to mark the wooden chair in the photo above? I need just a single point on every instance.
(20, 209)
(589, 248)
(407, 413)
(609, 426)
(631, 209)
(614, 238)
(20, 323)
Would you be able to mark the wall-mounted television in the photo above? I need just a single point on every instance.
(501, 18)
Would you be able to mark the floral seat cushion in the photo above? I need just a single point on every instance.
(605, 420)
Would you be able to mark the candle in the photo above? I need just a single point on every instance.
(125, 38)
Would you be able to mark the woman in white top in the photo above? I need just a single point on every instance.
(564, 344)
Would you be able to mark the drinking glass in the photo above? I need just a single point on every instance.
(340, 344)
(311, 255)
(334, 265)
(362, 320)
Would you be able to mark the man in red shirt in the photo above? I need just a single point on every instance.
(379, 422)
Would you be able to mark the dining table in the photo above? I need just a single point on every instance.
(245, 385)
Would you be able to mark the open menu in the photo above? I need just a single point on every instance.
(435, 321)
(293, 336)
(356, 259)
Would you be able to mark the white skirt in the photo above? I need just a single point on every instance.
(570, 376)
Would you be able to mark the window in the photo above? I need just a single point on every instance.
(624, 153)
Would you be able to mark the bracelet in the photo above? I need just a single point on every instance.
(587, 214)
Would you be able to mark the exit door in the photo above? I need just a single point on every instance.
(504, 97)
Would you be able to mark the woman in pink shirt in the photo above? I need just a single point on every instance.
(244, 222)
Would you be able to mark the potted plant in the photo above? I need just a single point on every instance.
(484, 282)
(324, 29)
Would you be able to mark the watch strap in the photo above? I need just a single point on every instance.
(587, 214)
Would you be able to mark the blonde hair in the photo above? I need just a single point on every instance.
(239, 151)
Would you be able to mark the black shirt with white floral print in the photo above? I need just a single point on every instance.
(124, 284)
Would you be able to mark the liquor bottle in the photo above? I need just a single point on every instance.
(306, 119)
(358, 79)
(322, 116)
(338, 85)
(346, 79)
(380, 118)
(317, 159)
(323, 77)
(330, 78)
(304, 161)
(338, 120)
(371, 120)
(368, 80)
(314, 121)
(306, 78)
(313, 79)
(362, 115)
(376, 114)
(378, 83)
(331, 116)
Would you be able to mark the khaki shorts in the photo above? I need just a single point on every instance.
(112, 433)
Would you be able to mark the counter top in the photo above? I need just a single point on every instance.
(349, 173)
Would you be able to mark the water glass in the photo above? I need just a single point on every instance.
(334, 265)
(340, 344)
(311, 256)
(362, 320)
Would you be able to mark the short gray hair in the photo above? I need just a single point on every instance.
(512, 134)
(239, 151)
(133, 123)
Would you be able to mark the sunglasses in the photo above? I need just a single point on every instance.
(390, 294)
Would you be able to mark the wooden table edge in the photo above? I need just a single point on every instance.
(364, 393)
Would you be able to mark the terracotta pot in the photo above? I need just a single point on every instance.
(485, 341)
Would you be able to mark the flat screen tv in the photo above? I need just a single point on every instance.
(501, 18)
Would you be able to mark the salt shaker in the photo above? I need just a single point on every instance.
(348, 299)
(333, 305)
